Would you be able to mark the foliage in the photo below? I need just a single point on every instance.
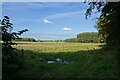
(108, 22)
(71, 40)
(9, 57)
(50, 40)
(87, 37)
(26, 39)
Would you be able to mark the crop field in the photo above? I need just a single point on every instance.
(65, 60)
(54, 47)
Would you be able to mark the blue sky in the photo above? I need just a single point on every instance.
(49, 20)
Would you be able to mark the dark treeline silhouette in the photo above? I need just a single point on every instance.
(50, 40)
(35, 40)
(26, 39)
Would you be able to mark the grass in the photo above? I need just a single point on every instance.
(56, 46)
(89, 61)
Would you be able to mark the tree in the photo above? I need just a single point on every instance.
(71, 40)
(9, 56)
(108, 24)
(26, 39)
(88, 37)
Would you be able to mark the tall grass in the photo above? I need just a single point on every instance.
(89, 61)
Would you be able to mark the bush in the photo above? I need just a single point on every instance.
(9, 55)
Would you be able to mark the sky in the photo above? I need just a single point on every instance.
(49, 20)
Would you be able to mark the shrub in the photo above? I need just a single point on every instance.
(9, 55)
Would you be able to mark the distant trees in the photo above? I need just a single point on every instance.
(86, 37)
(71, 40)
(50, 40)
(26, 39)
(89, 37)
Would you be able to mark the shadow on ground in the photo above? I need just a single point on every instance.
(86, 64)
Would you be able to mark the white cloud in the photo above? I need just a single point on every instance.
(46, 21)
(67, 29)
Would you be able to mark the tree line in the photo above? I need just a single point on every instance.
(87, 37)
(26, 39)
(34, 40)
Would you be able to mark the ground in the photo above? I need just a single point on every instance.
(85, 60)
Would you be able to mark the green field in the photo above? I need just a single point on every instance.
(84, 60)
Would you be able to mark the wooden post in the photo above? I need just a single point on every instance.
(22, 61)
(22, 52)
